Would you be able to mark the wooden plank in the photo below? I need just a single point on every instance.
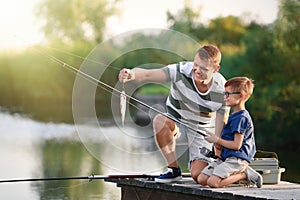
(187, 189)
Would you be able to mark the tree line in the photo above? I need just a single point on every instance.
(268, 53)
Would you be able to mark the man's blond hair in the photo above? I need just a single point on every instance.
(210, 53)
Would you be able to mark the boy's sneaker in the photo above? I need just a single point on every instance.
(171, 175)
(254, 177)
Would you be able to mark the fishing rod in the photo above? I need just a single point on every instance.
(90, 178)
(80, 57)
(199, 130)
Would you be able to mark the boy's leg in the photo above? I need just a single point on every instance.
(202, 179)
(228, 172)
(207, 172)
(196, 168)
(254, 177)
(217, 182)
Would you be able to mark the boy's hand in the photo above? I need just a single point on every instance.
(218, 149)
(211, 137)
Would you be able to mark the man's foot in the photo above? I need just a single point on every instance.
(254, 177)
(171, 175)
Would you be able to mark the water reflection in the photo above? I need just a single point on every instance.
(65, 158)
(125, 149)
(31, 150)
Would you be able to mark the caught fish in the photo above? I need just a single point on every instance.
(123, 106)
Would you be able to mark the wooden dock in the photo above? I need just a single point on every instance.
(143, 189)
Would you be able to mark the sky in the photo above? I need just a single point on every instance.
(20, 28)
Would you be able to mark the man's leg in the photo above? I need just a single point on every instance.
(164, 130)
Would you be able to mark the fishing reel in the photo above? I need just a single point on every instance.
(208, 153)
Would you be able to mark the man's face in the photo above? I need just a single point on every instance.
(203, 70)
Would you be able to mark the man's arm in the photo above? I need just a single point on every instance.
(149, 75)
(220, 121)
(219, 124)
(142, 75)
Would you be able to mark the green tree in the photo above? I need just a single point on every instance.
(221, 30)
(186, 20)
(75, 20)
(226, 30)
(287, 44)
(271, 57)
(288, 26)
(287, 38)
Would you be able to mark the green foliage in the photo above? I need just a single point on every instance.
(226, 30)
(68, 21)
(185, 21)
(274, 56)
(151, 89)
(221, 30)
(269, 54)
(288, 26)
(34, 84)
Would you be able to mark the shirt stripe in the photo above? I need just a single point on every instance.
(186, 102)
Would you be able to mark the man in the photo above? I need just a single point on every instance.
(196, 97)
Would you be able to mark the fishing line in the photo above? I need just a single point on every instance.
(199, 130)
(100, 63)
(92, 80)
(82, 58)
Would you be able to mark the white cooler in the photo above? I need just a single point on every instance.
(268, 168)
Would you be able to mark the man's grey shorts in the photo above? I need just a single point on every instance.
(193, 141)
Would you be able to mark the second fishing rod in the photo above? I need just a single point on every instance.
(200, 130)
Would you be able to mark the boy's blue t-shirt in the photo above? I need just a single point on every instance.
(239, 123)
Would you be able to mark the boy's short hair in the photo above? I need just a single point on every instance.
(210, 52)
(241, 84)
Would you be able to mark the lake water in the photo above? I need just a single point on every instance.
(31, 149)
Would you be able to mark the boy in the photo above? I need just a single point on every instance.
(237, 140)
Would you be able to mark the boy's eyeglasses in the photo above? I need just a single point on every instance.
(227, 94)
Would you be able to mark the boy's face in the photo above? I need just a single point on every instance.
(231, 97)
(203, 70)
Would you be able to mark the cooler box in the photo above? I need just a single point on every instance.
(268, 168)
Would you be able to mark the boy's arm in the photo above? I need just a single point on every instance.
(236, 144)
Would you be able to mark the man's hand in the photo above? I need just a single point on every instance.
(126, 75)
(212, 138)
